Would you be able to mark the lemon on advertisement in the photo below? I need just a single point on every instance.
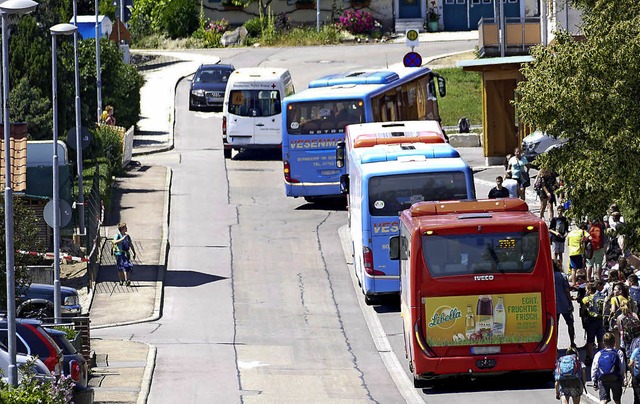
(483, 319)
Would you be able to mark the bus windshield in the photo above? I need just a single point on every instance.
(317, 117)
(480, 253)
(390, 194)
(254, 103)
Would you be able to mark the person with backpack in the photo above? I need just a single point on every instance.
(628, 326)
(634, 367)
(570, 376)
(592, 305)
(634, 289)
(608, 371)
(576, 242)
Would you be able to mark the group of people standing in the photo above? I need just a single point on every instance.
(517, 179)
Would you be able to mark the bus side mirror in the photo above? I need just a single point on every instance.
(344, 184)
(442, 86)
(394, 248)
(340, 154)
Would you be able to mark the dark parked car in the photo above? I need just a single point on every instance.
(36, 301)
(208, 86)
(32, 339)
(75, 365)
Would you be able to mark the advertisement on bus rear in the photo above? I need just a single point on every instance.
(483, 319)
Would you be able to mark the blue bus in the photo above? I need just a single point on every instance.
(315, 119)
(381, 182)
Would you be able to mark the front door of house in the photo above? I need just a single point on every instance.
(409, 9)
(454, 15)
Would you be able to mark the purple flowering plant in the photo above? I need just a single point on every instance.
(218, 26)
(356, 21)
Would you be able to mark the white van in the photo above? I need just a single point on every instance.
(252, 111)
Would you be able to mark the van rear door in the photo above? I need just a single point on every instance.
(241, 120)
(268, 119)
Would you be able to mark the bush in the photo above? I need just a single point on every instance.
(307, 36)
(211, 33)
(34, 390)
(254, 27)
(356, 21)
(110, 147)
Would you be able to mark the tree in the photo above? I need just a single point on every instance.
(587, 91)
(25, 239)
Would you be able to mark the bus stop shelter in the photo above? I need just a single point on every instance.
(501, 130)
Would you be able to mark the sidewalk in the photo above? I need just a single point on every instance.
(124, 369)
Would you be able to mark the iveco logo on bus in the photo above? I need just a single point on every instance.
(483, 278)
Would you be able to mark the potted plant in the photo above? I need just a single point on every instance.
(433, 17)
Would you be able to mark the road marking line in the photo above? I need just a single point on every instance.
(390, 360)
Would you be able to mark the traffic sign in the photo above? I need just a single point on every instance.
(413, 38)
(412, 59)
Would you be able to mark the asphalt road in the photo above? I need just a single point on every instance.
(259, 299)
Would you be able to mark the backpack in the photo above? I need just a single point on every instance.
(596, 305)
(634, 293)
(568, 371)
(634, 344)
(630, 329)
(596, 236)
(463, 125)
(635, 370)
(613, 251)
(608, 368)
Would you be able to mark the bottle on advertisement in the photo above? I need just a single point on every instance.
(469, 322)
(484, 315)
(499, 318)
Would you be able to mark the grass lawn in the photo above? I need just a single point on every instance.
(463, 99)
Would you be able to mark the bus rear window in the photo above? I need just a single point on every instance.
(391, 194)
(318, 117)
(254, 103)
(468, 254)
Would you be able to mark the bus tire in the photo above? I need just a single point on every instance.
(227, 153)
(370, 300)
(419, 383)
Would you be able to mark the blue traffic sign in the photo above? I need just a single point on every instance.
(412, 59)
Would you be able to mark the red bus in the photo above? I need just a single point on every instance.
(477, 291)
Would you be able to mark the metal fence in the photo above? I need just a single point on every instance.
(94, 216)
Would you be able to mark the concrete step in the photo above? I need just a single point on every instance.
(409, 23)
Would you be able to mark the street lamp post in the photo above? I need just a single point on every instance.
(80, 203)
(8, 8)
(98, 74)
(59, 29)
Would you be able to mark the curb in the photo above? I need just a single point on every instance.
(147, 377)
(162, 265)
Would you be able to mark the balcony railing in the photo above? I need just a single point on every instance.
(520, 35)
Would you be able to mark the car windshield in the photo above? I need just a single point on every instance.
(212, 76)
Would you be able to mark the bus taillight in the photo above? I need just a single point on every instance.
(548, 335)
(287, 173)
(224, 126)
(367, 258)
(421, 342)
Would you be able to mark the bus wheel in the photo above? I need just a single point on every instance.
(370, 300)
(310, 199)
(419, 383)
(227, 153)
